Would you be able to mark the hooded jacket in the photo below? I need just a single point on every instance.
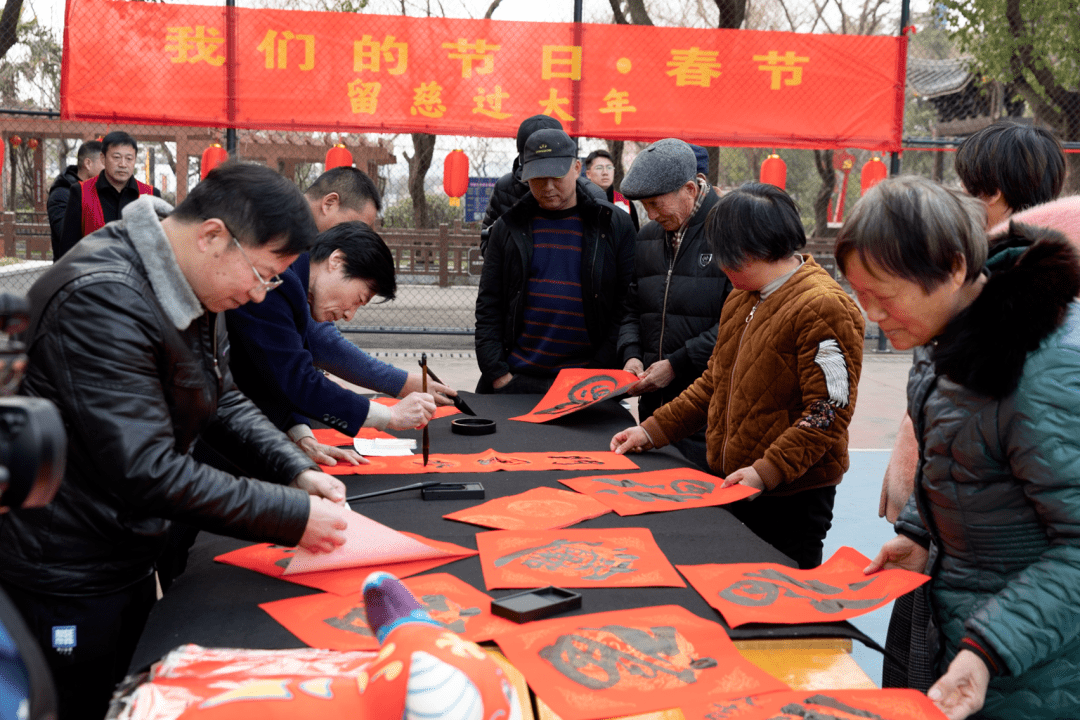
(56, 206)
(996, 407)
(780, 387)
(138, 368)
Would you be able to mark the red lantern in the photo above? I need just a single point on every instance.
(338, 156)
(211, 158)
(32, 143)
(774, 171)
(873, 172)
(455, 179)
(16, 141)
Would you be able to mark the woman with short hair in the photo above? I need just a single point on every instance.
(994, 395)
(779, 389)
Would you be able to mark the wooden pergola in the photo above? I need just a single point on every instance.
(281, 150)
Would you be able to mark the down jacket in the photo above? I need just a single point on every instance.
(996, 408)
(780, 387)
(119, 342)
(673, 306)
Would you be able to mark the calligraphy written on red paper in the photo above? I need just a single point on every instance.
(631, 661)
(541, 508)
(884, 704)
(770, 593)
(340, 623)
(658, 490)
(577, 388)
(615, 557)
(487, 461)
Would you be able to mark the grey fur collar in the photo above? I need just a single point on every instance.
(142, 219)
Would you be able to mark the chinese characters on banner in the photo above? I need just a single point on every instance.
(541, 508)
(578, 388)
(631, 661)
(770, 593)
(886, 704)
(168, 64)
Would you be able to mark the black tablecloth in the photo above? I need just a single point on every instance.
(214, 604)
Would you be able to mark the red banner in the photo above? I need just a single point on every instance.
(541, 508)
(170, 64)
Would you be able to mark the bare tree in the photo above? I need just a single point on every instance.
(419, 164)
(823, 162)
(9, 23)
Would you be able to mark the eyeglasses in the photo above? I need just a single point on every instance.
(603, 168)
(265, 285)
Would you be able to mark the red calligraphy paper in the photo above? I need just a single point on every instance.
(440, 412)
(577, 388)
(770, 593)
(294, 70)
(340, 623)
(609, 557)
(659, 490)
(272, 560)
(631, 661)
(886, 704)
(541, 508)
(487, 461)
(328, 436)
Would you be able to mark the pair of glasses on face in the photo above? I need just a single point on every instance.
(264, 285)
(603, 168)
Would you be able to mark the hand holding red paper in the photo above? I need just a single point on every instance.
(325, 529)
(658, 490)
(900, 552)
(747, 477)
(320, 484)
(632, 439)
(329, 454)
(578, 388)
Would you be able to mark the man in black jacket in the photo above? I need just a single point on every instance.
(89, 164)
(674, 303)
(554, 278)
(125, 339)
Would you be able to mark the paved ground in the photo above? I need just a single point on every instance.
(878, 411)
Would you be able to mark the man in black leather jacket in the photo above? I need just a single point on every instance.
(125, 338)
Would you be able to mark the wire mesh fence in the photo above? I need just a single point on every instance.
(381, 77)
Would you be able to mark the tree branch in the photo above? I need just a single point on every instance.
(638, 14)
(732, 13)
(9, 23)
(620, 19)
(491, 9)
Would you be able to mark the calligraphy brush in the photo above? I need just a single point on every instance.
(414, 486)
(458, 402)
(423, 364)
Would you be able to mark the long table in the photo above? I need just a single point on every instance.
(216, 605)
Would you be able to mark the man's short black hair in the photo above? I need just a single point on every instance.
(597, 154)
(118, 137)
(354, 188)
(756, 221)
(1025, 162)
(366, 255)
(88, 149)
(256, 204)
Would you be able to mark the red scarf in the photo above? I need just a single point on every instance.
(93, 216)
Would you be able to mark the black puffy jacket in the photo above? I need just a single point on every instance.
(59, 192)
(679, 310)
(607, 258)
(135, 392)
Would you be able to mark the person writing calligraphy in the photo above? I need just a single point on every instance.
(994, 396)
(779, 390)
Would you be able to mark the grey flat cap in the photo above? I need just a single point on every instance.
(663, 167)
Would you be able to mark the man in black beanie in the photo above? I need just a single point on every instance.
(510, 187)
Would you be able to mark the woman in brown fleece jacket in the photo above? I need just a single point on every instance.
(780, 387)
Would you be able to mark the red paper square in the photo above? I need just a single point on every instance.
(578, 388)
(631, 661)
(340, 623)
(609, 557)
(659, 490)
(770, 593)
(541, 508)
(273, 559)
(887, 704)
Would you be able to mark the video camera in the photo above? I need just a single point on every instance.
(33, 443)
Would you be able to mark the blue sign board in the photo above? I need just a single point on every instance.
(477, 196)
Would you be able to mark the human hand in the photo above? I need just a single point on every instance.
(412, 412)
(632, 439)
(633, 365)
(900, 552)
(747, 476)
(325, 529)
(656, 376)
(319, 484)
(899, 481)
(441, 393)
(328, 454)
(503, 381)
(961, 691)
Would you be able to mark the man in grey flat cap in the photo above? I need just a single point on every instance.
(556, 271)
(674, 302)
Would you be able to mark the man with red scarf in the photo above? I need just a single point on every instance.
(99, 200)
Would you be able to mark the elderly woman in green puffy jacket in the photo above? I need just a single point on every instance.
(994, 395)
